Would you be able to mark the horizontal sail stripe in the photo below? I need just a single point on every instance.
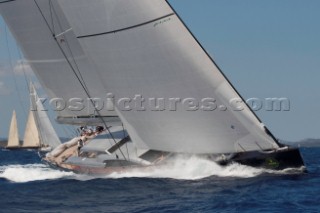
(127, 28)
(6, 1)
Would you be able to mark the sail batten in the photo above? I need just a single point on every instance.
(127, 28)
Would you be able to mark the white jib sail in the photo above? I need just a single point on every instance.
(31, 134)
(13, 139)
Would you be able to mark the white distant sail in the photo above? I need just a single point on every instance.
(13, 139)
(39, 131)
(31, 134)
(46, 132)
(134, 47)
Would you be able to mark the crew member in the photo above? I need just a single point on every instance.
(80, 145)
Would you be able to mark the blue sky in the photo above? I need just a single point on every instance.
(267, 49)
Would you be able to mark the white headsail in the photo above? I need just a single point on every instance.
(129, 48)
(13, 139)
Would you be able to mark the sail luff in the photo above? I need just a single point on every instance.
(13, 139)
(227, 79)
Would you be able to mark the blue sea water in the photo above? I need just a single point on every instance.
(191, 185)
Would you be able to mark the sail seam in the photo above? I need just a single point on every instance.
(126, 28)
(2, 2)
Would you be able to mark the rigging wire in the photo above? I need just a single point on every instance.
(28, 80)
(68, 46)
(51, 15)
(16, 84)
(28, 86)
(80, 75)
(23, 68)
(124, 136)
(13, 72)
(79, 78)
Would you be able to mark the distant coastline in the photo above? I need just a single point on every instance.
(310, 142)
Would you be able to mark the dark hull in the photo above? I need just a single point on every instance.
(280, 160)
(276, 161)
(12, 148)
(21, 148)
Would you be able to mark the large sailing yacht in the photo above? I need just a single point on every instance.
(39, 132)
(131, 53)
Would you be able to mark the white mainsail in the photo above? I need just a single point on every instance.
(128, 48)
(13, 139)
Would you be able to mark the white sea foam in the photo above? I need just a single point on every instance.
(193, 168)
(31, 172)
(181, 168)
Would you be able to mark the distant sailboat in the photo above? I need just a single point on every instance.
(31, 135)
(138, 48)
(13, 139)
(39, 131)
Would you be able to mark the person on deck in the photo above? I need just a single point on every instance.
(80, 145)
(99, 130)
(83, 130)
